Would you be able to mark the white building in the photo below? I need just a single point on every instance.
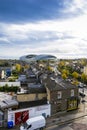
(15, 116)
(10, 83)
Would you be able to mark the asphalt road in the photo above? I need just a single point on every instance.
(80, 124)
(14, 128)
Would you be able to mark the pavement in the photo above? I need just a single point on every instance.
(65, 118)
(61, 118)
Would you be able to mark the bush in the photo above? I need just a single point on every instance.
(9, 89)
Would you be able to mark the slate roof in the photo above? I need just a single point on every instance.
(6, 101)
(32, 103)
(36, 88)
(58, 84)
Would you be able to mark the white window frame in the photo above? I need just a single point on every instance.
(72, 93)
(59, 94)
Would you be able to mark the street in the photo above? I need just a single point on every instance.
(73, 120)
(80, 124)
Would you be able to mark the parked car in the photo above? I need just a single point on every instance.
(83, 101)
(82, 94)
(81, 85)
(34, 123)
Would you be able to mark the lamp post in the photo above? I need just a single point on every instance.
(83, 101)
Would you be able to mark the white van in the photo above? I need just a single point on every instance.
(34, 123)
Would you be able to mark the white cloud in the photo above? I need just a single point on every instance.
(75, 7)
(71, 35)
(4, 39)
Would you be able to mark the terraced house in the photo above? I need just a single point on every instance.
(61, 94)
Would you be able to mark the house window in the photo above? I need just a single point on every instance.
(59, 95)
(72, 93)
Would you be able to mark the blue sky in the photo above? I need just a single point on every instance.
(56, 27)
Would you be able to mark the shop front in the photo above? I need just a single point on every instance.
(72, 104)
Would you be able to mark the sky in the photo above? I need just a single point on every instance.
(56, 27)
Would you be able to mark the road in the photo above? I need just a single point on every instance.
(79, 124)
(83, 90)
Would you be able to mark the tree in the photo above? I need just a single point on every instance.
(75, 75)
(49, 68)
(65, 71)
(64, 76)
(14, 72)
(75, 82)
(62, 63)
(26, 66)
(83, 77)
(18, 67)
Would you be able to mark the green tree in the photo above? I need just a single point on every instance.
(15, 72)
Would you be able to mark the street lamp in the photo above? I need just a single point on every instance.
(83, 101)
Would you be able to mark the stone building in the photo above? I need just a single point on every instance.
(61, 94)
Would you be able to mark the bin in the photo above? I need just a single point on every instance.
(10, 124)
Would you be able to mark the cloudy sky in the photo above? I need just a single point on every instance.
(57, 27)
